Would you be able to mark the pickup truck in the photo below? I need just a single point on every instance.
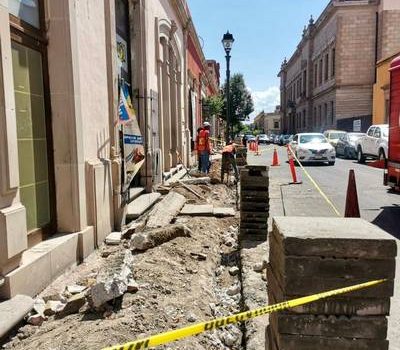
(374, 144)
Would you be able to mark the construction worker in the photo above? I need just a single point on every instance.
(228, 159)
(196, 148)
(203, 147)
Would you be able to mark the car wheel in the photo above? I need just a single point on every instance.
(382, 154)
(331, 163)
(360, 156)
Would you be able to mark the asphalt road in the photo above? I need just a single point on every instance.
(377, 203)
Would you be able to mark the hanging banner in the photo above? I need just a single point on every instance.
(132, 137)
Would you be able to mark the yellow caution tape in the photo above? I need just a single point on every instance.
(314, 183)
(170, 336)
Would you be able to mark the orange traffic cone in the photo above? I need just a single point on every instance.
(275, 160)
(352, 209)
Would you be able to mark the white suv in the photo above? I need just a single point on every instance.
(374, 144)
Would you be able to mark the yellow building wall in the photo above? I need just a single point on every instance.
(381, 91)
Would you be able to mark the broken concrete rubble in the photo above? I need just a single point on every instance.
(164, 212)
(196, 181)
(112, 283)
(114, 238)
(36, 320)
(73, 305)
(150, 239)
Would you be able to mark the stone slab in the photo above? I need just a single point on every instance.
(13, 311)
(334, 237)
(198, 210)
(253, 216)
(165, 211)
(340, 305)
(292, 285)
(224, 212)
(141, 204)
(371, 327)
(135, 192)
(296, 342)
(114, 238)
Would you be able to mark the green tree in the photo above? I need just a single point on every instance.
(213, 106)
(241, 102)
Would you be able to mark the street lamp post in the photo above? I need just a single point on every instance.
(227, 42)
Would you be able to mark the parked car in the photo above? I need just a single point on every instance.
(374, 144)
(250, 138)
(276, 139)
(262, 138)
(285, 139)
(313, 147)
(346, 146)
(333, 136)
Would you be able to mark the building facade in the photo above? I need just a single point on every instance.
(328, 82)
(62, 173)
(269, 123)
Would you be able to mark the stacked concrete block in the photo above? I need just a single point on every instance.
(312, 255)
(254, 202)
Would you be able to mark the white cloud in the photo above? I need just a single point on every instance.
(265, 100)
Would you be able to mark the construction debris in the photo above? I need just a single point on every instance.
(150, 239)
(165, 211)
(198, 210)
(195, 181)
(191, 190)
(114, 238)
(112, 283)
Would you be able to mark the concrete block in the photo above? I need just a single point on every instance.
(114, 238)
(332, 237)
(254, 206)
(86, 243)
(198, 210)
(296, 342)
(340, 305)
(253, 194)
(135, 192)
(13, 311)
(141, 204)
(252, 216)
(255, 225)
(329, 267)
(292, 285)
(371, 327)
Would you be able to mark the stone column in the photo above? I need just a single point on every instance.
(166, 108)
(181, 122)
(13, 232)
(174, 110)
(68, 133)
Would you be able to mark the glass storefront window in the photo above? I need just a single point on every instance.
(31, 135)
(27, 10)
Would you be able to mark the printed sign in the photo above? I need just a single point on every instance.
(132, 137)
(357, 125)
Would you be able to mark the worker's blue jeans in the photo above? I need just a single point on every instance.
(204, 160)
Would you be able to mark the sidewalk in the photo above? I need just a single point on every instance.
(304, 200)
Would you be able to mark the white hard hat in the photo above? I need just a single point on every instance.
(206, 124)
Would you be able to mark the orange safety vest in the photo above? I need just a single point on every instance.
(202, 141)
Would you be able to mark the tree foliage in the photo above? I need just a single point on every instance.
(241, 102)
(213, 106)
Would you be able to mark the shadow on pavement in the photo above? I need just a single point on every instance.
(389, 220)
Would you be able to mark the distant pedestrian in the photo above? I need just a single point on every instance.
(244, 141)
(196, 147)
(203, 147)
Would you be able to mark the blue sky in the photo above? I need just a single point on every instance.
(265, 32)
